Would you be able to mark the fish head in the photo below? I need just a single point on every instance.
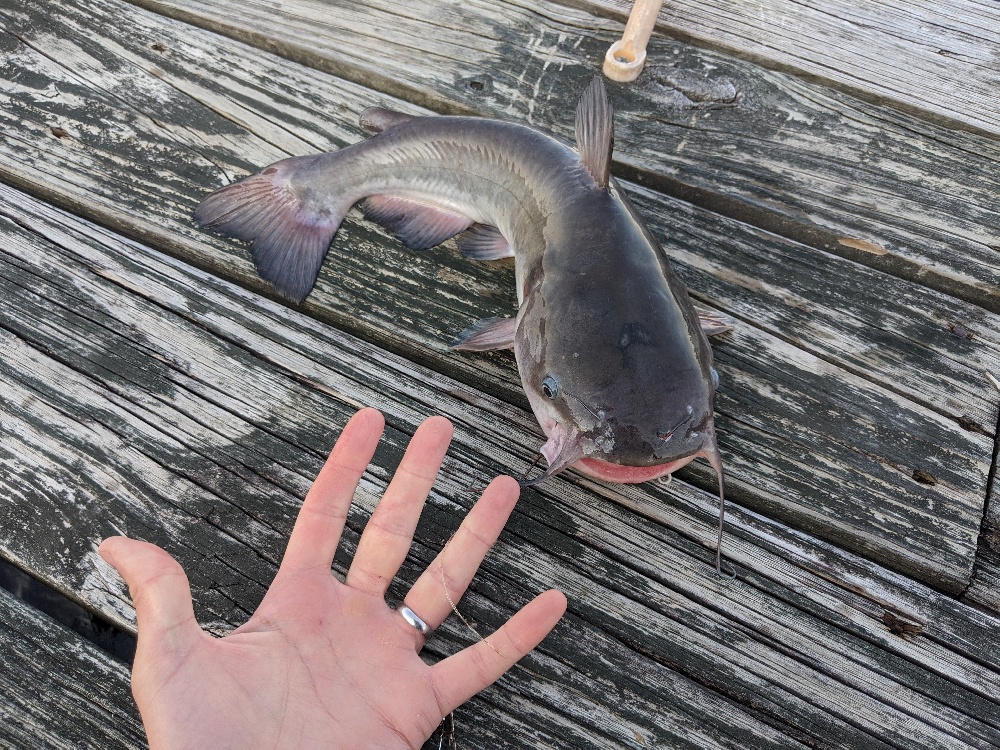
(613, 425)
(616, 368)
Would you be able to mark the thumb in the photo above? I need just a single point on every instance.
(158, 587)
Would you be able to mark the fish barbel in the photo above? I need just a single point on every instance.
(612, 354)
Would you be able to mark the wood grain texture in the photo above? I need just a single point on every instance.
(60, 691)
(832, 402)
(936, 59)
(791, 156)
(174, 406)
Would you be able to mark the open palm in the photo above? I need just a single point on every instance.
(323, 663)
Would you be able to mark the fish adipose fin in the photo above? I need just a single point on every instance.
(417, 225)
(486, 335)
(483, 242)
(290, 238)
(380, 119)
(595, 132)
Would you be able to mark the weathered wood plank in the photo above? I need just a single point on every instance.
(794, 157)
(815, 340)
(927, 57)
(985, 587)
(207, 408)
(184, 69)
(59, 690)
(62, 230)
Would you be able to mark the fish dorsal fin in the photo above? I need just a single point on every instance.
(595, 131)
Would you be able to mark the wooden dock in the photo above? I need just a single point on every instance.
(826, 173)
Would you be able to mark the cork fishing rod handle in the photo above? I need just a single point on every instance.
(625, 58)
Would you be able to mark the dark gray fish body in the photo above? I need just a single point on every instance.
(610, 351)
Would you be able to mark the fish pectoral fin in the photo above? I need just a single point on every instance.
(595, 131)
(713, 322)
(483, 242)
(417, 225)
(486, 335)
(380, 119)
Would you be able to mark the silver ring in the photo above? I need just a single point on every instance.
(414, 619)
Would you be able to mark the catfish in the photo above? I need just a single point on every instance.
(612, 354)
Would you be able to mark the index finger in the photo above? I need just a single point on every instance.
(317, 530)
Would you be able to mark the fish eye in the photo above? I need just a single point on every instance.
(550, 387)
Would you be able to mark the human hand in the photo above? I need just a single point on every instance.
(323, 663)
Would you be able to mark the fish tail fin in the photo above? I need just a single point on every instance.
(714, 458)
(290, 235)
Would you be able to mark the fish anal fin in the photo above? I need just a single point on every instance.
(483, 242)
(713, 322)
(290, 236)
(595, 131)
(486, 335)
(380, 119)
(417, 225)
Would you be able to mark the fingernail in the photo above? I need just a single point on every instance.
(104, 550)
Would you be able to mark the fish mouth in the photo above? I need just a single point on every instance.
(564, 450)
(621, 474)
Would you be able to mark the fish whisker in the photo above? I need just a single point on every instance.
(530, 469)
(520, 481)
